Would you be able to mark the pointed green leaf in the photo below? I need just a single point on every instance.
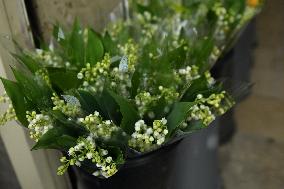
(18, 100)
(135, 82)
(178, 115)
(63, 79)
(35, 89)
(28, 61)
(88, 102)
(129, 113)
(109, 44)
(200, 86)
(95, 48)
(76, 46)
(110, 107)
(63, 135)
(55, 138)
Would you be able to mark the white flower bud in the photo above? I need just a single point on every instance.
(71, 151)
(96, 113)
(165, 132)
(104, 152)
(164, 121)
(108, 159)
(199, 96)
(89, 155)
(149, 131)
(80, 76)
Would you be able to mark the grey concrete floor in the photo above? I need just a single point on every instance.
(255, 157)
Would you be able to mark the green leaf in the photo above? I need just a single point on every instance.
(55, 138)
(177, 56)
(95, 48)
(28, 61)
(178, 115)
(109, 44)
(135, 82)
(156, 8)
(18, 100)
(200, 86)
(76, 46)
(129, 113)
(58, 34)
(63, 79)
(103, 103)
(63, 135)
(201, 53)
(72, 127)
(35, 89)
(88, 102)
(117, 139)
(110, 107)
(194, 126)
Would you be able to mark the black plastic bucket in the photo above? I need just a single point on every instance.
(150, 171)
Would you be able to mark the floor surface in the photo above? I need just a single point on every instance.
(255, 157)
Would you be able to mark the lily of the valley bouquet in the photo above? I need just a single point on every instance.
(208, 23)
(104, 99)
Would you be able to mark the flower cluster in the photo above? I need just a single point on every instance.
(209, 78)
(148, 29)
(206, 108)
(49, 58)
(68, 108)
(189, 73)
(120, 77)
(9, 114)
(130, 50)
(215, 54)
(120, 81)
(145, 101)
(224, 19)
(146, 138)
(86, 149)
(169, 94)
(97, 127)
(95, 76)
(220, 102)
(39, 124)
(201, 112)
(42, 73)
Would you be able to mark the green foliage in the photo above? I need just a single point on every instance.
(129, 114)
(63, 135)
(109, 44)
(94, 48)
(194, 126)
(55, 138)
(200, 86)
(28, 61)
(18, 100)
(75, 46)
(34, 89)
(89, 103)
(178, 115)
(63, 79)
